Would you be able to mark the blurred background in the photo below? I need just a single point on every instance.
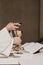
(29, 12)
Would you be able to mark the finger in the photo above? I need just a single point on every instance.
(19, 44)
(15, 27)
(17, 24)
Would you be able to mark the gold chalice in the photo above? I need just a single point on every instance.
(18, 33)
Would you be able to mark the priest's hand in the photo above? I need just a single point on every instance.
(12, 26)
(17, 40)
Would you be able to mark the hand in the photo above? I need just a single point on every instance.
(12, 26)
(17, 40)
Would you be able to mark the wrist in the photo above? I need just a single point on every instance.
(7, 28)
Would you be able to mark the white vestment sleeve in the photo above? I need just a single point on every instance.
(6, 42)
